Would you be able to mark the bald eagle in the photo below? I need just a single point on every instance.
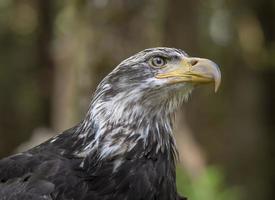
(124, 148)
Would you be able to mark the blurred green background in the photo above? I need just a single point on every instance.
(54, 53)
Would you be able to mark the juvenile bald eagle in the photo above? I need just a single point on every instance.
(124, 148)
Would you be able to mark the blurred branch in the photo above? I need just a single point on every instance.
(191, 154)
(72, 72)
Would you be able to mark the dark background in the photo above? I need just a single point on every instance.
(53, 54)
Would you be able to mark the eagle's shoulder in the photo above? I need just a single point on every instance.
(16, 166)
(40, 170)
(32, 184)
(36, 176)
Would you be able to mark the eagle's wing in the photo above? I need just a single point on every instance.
(16, 166)
(32, 185)
(42, 172)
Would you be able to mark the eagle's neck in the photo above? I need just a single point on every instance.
(115, 126)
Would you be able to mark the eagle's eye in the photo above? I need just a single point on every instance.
(158, 61)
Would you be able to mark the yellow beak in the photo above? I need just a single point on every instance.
(194, 70)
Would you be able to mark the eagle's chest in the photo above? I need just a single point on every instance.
(149, 177)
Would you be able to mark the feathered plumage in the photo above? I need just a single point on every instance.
(124, 148)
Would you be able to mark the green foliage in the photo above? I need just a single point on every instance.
(209, 186)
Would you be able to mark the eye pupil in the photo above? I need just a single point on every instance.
(159, 61)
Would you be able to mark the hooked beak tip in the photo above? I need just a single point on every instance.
(209, 70)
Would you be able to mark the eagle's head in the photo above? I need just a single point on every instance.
(142, 92)
(155, 79)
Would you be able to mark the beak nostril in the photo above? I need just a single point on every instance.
(193, 62)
